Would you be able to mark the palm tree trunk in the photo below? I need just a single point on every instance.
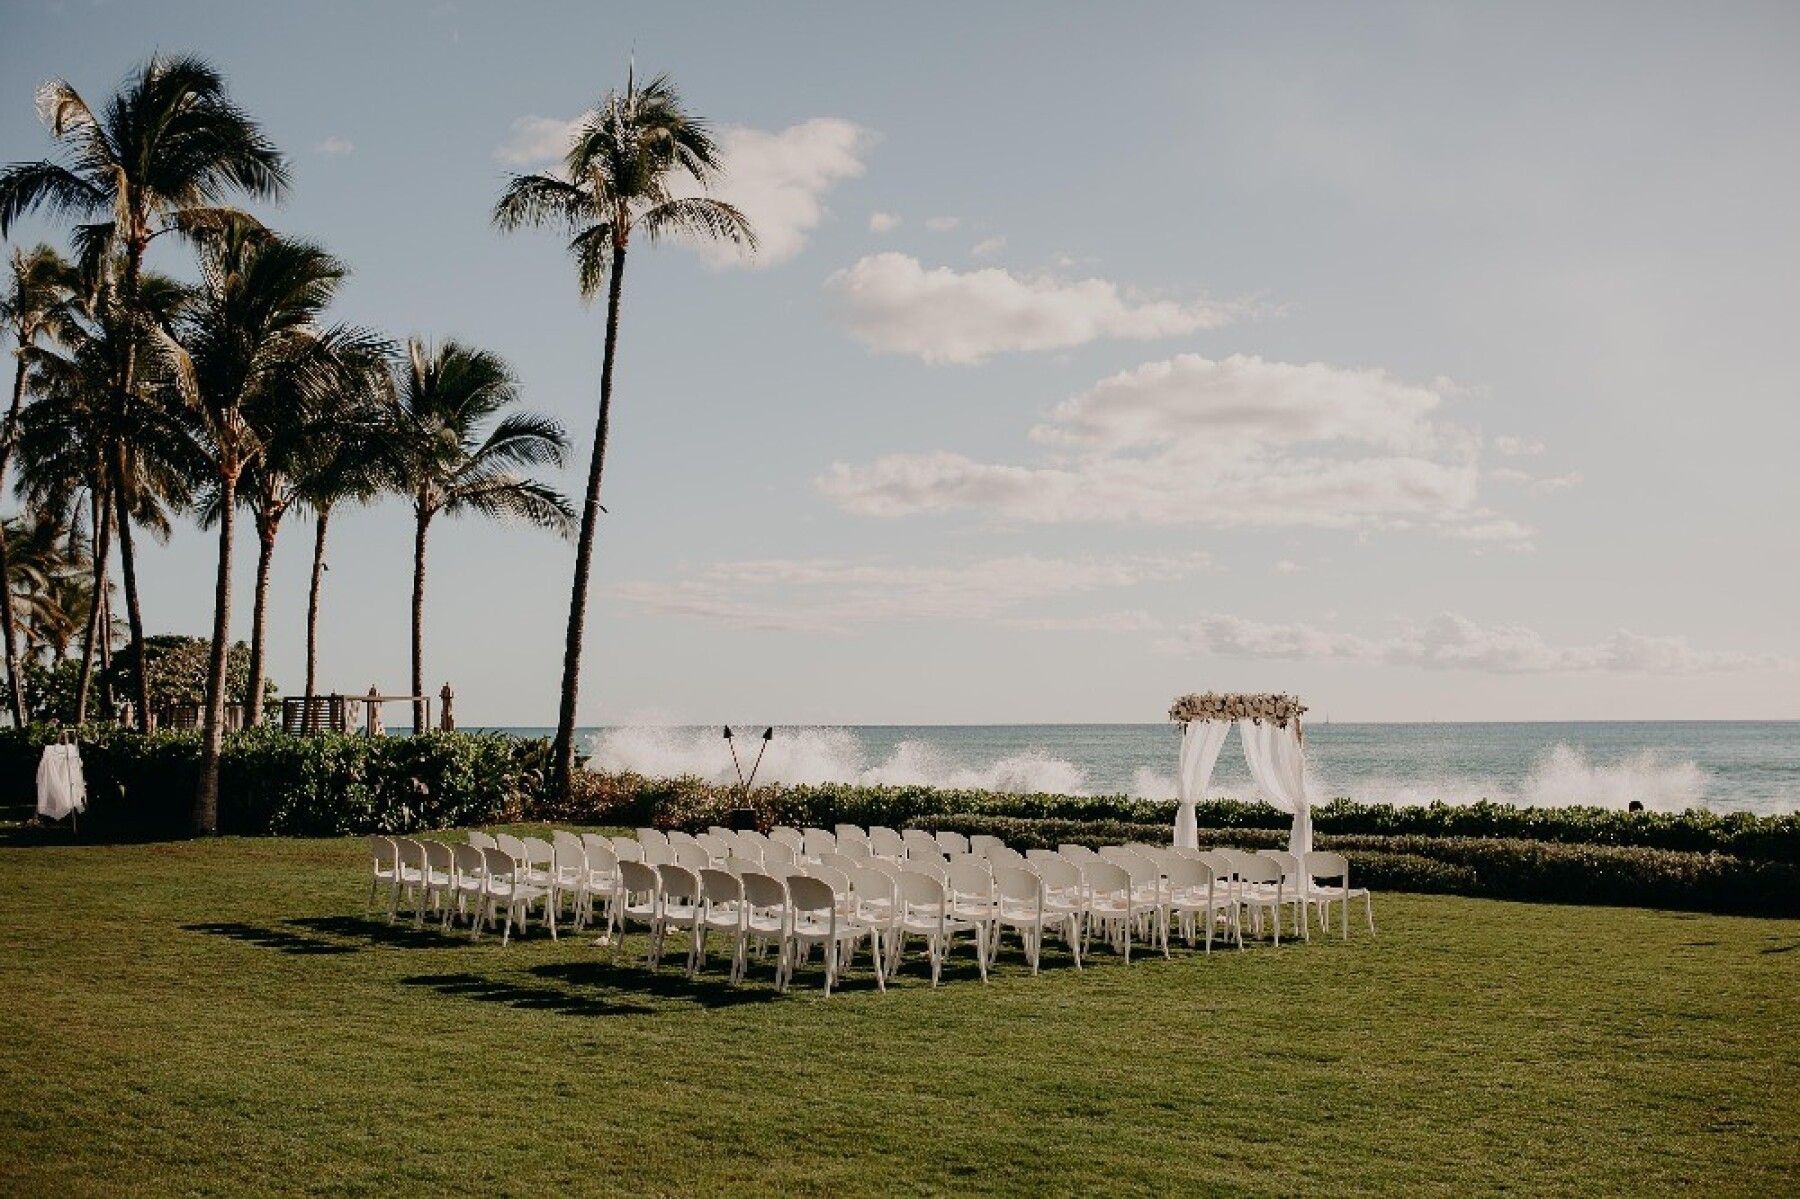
(206, 797)
(418, 619)
(136, 243)
(102, 543)
(128, 571)
(563, 767)
(9, 617)
(312, 602)
(266, 528)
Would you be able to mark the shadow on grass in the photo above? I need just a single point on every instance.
(376, 930)
(537, 999)
(670, 981)
(272, 938)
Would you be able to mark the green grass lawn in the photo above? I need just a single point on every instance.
(218, 1018)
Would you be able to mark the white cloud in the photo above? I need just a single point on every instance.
(1287, 566)
(987, 247)
(942, 224)
(837, 595)
(1241, 442)
(1514, 447)
(1535, 484)
(1452, 642)
(894, 304)
(335, 147)
(883, 222)
(778, 180)
(535, 141)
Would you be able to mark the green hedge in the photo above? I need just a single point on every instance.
(273, 783)
(1492, 867)
(692, 804)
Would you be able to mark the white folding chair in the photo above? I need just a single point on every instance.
(817, 918)
(384, 867)
(816, 842)
(638, 903)
(917, 839)
(1064, 893)
(790, 837)
(652, 836)
(1260, 891)
(1023, 904)
(540, 873)
(1112, 902)
(1076, 853)
(439, 881)
(980, 844)
(1293, 887)
(886, 843)
(506, 888)
(569, 870)
(628, 849)
(677, 904)
(409, 876)
(1195, 896)
(952, 843)
(716, 847)
(603, 878)
(1323, 864)
(481, 840)
(470, 883)
(925, 912)
(723, 911)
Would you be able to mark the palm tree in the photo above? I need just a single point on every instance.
(77, 447)
(448, 465)
(350, 461)
(45, 576)
(247, 348)
(162, 155)
(38, 288)
(623, 167)
(297, 446)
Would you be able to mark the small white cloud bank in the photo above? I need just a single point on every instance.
(883, 222)
(334, 146)
(893, 303)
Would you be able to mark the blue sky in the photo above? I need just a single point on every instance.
(1431, 361)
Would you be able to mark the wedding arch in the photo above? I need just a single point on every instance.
(1274, 749)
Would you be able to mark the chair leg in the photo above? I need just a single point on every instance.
(1369, 911)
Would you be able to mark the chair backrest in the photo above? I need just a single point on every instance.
(1155, 853)
(652, 836)
(1058, 873)
(778, 854)
(751, 839)
(1143, 872)
(886, 843)
(916, 889)
(1004, 855)
(383, 851)
(918, 836)
(720, 886)
(468, 860)
(600, 855)
(480, 840)
(409, 853)
(511, 846)
(836, 879)
(692, 857)
(817, 841)
(637, 878)
(659, 853)
(870, 885)
(1252, 869)
(885, 866)
(1288, 863)
(539, 852)
(764, 890)
(924, 851)
(933, 866)
(562, 839)
(498, 866)
(1223, 867)
(1105, 878)
(742, 866)
(719, 830)
(1322, 863)
(781, 834)
(677, 837)
(438, 856)
(954, 859)
(856, 851)
(1185, 874)
(1018, 884)
(982, 843)
(1040, 855)
(953, 842)
(836, 861)
(850, 834)
(811, 894)
(1076, 853)
(716, 847)
(678, 882)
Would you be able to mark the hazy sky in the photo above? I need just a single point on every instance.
(1434, 362)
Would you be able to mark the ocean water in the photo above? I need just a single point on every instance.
(1667, 765)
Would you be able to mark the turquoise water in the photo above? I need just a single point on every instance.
(1667, 765)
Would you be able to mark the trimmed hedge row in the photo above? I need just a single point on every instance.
(273, 783)
(692, 804)
(1491, 867)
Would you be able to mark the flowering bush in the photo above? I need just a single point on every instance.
(1211, 705)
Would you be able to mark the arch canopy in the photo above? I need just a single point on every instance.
(1269, 726)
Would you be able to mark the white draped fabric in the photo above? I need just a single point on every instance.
(1200, 743)
(61, 786)
(1277, 762)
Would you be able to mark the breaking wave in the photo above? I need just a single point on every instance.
(826, 755)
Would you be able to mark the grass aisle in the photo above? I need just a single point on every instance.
(217, 1018)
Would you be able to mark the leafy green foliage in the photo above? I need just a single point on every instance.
(691, 803)
(178, 670)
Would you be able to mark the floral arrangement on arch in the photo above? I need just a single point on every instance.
(1211, 705)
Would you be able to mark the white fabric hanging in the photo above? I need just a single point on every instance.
(61, 786)
(1277, 762)
(1200, 742)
